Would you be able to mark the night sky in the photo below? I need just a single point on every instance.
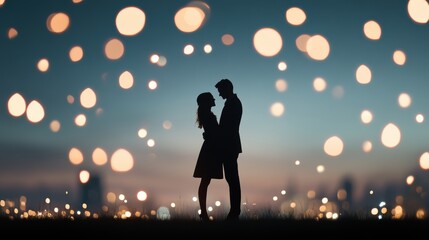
(352, 103)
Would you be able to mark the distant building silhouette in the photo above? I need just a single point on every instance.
(345, 196)
(91, 193)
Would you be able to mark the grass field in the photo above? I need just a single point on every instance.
(193, 229)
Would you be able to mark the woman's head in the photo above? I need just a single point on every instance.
(205, 99)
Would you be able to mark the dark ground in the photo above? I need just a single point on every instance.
(155, 229)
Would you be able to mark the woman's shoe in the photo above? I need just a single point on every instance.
(204, 218)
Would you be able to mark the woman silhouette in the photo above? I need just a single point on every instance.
(208, 165)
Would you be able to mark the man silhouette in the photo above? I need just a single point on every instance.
(229, 125)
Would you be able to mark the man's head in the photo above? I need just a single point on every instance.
(225, 88)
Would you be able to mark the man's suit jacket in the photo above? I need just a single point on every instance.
(229, 123)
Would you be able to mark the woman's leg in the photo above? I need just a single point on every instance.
(202, 197)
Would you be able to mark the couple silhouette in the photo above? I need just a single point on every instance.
(221, 147)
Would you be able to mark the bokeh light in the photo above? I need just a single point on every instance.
(16, 105)
(84, 176)
(424, 161)
(366, 116)
(99, 156)
(55, 125)
(122, 161)
(390, 135)
(268, 42)
(372, 30)
(35, 111)
(141, 195)
(418, 10)
(75, 156)
(142, 133)
(295, 16)
(319, 84)
(58, 22)
(12, 33)
(88, 98)
(363, 74)
(130, 21)
(190, 18)
(114, 49)
(281, 85)
(43, 65)
(399, 57)
(76, 53)
(126, 80)
(227, 39)
(318, 47)
(80, 120)
(404, 100)
(277, 109)
(333, 146)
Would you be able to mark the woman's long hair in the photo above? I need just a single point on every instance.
(203, 101)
